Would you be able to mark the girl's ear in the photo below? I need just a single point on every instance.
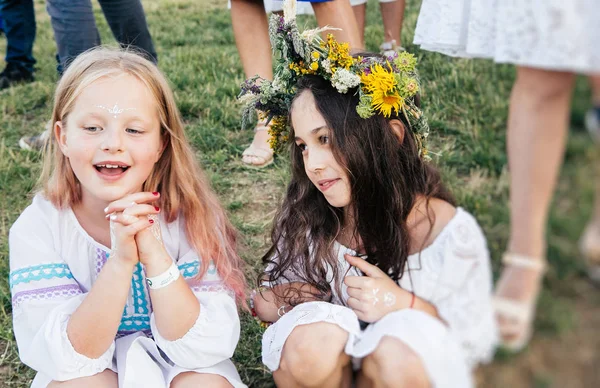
(399, 129)
(61, 137)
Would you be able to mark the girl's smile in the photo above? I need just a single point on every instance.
(325, 184)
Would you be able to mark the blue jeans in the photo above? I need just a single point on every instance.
(75, 29)
(19, 28)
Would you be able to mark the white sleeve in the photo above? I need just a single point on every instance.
(464, 299)
(44, 295)
(215, 334)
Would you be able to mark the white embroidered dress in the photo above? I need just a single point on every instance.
(558, 35)
(54, 263)
(453, 274)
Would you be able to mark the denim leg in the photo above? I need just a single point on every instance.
(127, 21)
(74, 28)
(19, 27)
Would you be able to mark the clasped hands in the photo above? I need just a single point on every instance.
(374, 295)
(134, 228)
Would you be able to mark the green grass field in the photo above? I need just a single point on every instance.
(466, 101)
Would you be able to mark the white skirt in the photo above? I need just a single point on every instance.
(560, 35)
(139, 363)
(432, 341)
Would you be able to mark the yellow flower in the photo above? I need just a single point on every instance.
(384, 103)
(314, 66)
(378, 79)
(316, 55)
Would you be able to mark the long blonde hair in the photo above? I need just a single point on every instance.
(185, 190)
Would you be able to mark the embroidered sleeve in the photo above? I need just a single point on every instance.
(44, 295)
(215, 334)
(463, 296)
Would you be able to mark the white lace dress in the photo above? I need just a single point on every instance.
(547, 34)
(453, 274)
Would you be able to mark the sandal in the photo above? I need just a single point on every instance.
(255, 156)
(389, 49)
(519, 314)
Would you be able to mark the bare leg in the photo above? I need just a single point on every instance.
(360, 14)
(537, 129)
(393, 364)
(193, 380)
(339, 14)
(313, 356)
(105, 379)
(392, 14)
(251, 31)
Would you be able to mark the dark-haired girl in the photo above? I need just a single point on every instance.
(374, 277)
(372, 265)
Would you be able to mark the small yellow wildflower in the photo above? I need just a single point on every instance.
(314, 65)
(316, 55)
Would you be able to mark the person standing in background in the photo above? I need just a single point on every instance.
(549, 42)
(19, 27)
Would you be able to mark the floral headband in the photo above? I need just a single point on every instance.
(384, 84)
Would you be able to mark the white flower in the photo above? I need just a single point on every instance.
(278, 85)
(247, 98)
(326, 65)
(343, 80)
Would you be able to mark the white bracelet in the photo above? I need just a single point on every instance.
(165, 278)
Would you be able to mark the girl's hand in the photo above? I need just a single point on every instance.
(374, 295)
(128, 217)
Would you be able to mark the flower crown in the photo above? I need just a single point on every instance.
(384, 84)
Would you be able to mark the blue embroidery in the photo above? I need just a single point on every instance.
(189, 270)
(138, 291)
(135, 323)
(39, 272)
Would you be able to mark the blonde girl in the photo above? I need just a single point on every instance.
(123, 269)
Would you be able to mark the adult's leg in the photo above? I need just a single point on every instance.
(537, 130)
(127, 22)
(105, 379)
(360, 14)
(74, 28)
(392, 364)
(251, 31)
(339, 14)
(392, 13)
(19, 28)
(313, 356)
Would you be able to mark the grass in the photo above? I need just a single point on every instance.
(466, 101)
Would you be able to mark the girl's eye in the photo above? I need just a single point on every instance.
(92, 129)
(302, 147)
(133, 131)
(324, 139)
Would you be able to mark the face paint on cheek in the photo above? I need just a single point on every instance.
(115, 110)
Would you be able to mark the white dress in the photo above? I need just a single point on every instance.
(547, 34)
(53, 265)
(453, 274)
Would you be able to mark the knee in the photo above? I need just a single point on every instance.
(105, 379)
(193, 379)
(394, 364)
(313, 352)
(543, 85)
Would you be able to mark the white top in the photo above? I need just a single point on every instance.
(454, 274)
(54, 263)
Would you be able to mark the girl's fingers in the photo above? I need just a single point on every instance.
(139, 210)
(130, 200)
(354, 292)
(355, 304)
(123, 219)
(138, 226)
(355, 281)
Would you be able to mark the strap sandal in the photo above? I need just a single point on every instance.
(518, 329)
(257, 157)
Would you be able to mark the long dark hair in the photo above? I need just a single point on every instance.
(385, 176)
